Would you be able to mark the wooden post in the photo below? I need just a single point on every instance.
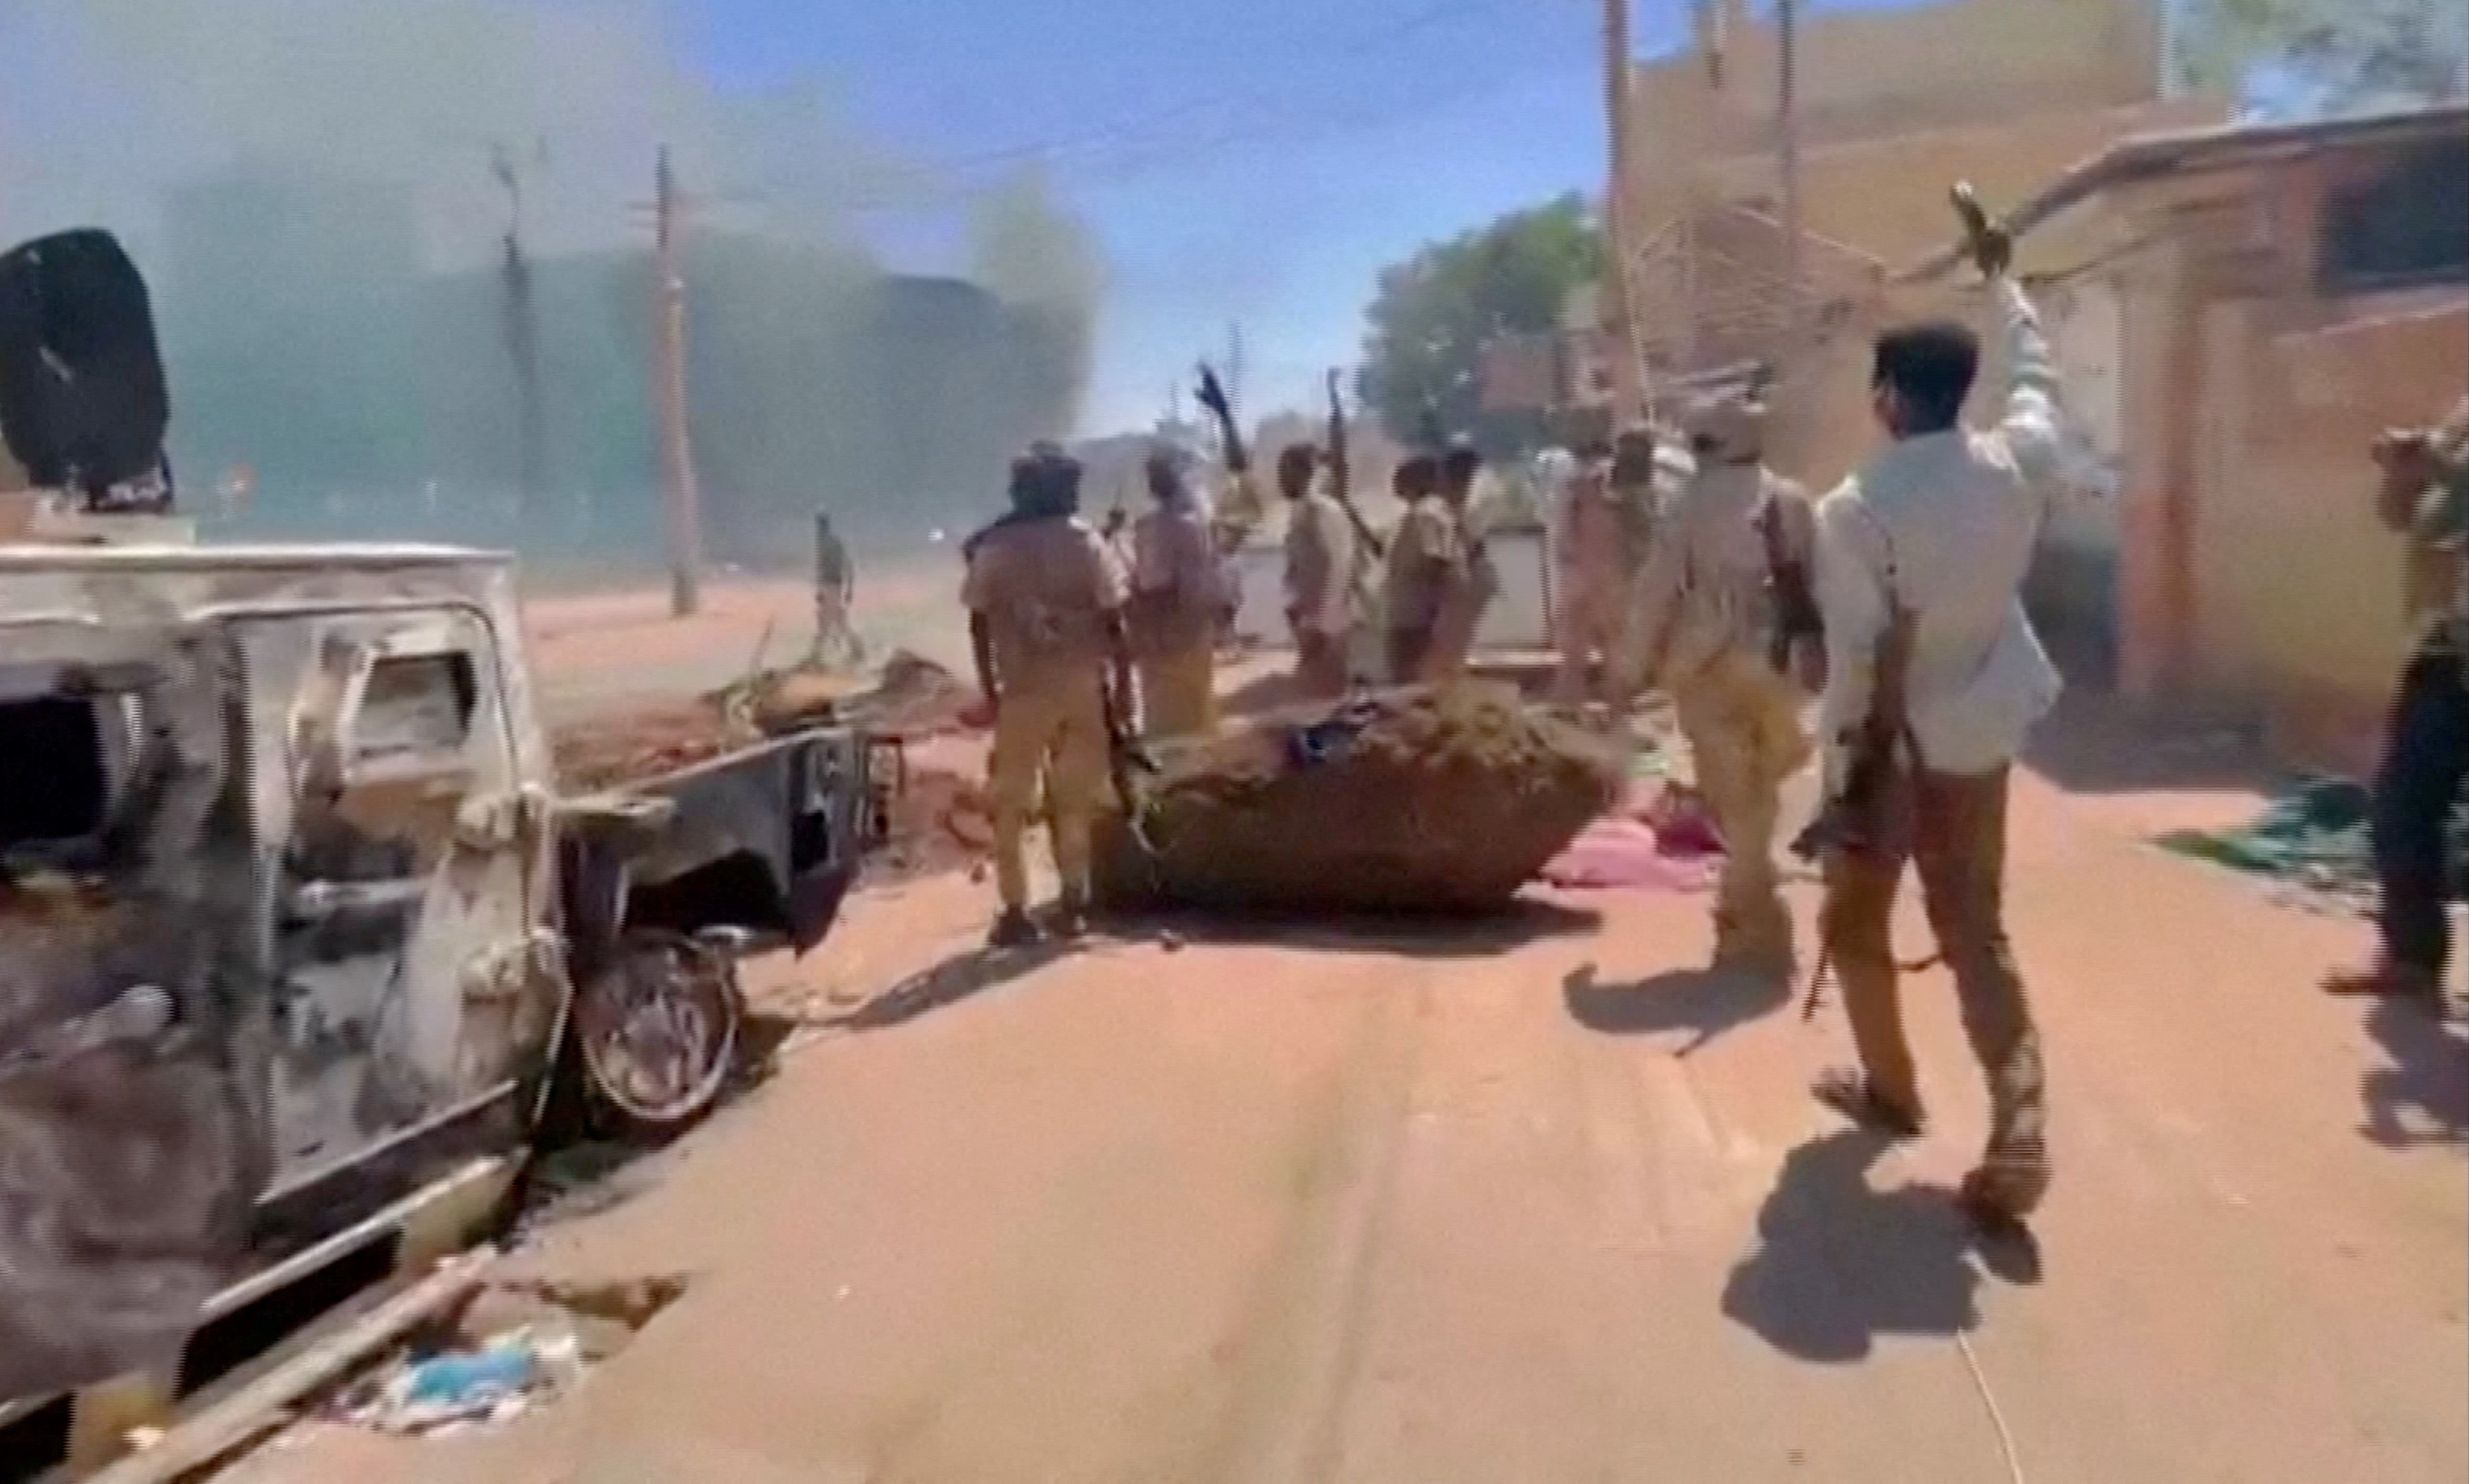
(1792, 375)
(1788, 157)
(677, 456)
(1619, 317)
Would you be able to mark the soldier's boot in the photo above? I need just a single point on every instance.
(1013, 929)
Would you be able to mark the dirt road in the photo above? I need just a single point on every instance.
(598, 651)
(1535, 1202)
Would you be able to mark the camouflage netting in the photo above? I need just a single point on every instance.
(1405, 801)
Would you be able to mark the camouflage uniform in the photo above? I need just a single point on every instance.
(1701, 625)
(1048, 590)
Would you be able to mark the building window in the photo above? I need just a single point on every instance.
(2407, 224)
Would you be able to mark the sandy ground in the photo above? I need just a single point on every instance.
(1532, 1203)
(598, 651)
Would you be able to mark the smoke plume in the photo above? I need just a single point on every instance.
(321, 192)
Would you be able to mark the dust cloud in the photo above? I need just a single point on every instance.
(322, 194)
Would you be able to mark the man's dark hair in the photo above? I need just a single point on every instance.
(1929, 366)
(1046, 481)
(1416, 475)
(1459, 464)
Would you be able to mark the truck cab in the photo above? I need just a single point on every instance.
(278, 926)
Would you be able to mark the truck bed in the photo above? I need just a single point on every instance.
(766, 836)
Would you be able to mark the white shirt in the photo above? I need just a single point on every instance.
(1946, 523)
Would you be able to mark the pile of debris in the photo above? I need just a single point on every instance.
(910, 697)
(1402, 801)
(611, 752)
(510, 1347)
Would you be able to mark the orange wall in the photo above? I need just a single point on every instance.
(2298, 586)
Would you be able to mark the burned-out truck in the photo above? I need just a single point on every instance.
(300, 942)
(293, 918)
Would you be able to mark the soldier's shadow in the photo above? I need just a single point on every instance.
(969, 973)
(1839, 1264)
(1702, 1001)
(1435, 934)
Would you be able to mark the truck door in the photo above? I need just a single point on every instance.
(130, 1142)
(412, 986)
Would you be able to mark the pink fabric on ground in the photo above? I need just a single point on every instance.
(1682, 824)
(1625, 853)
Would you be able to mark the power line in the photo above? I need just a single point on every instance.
(1143, 130)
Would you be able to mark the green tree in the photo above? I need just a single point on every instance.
(2299, 57)
(1433, 314)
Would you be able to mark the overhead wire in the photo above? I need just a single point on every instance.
(1157, 136)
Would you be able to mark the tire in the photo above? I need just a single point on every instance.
(656, 1036)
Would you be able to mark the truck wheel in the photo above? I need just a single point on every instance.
(656, 1034)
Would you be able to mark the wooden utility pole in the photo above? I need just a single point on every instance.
(1618, 319)
(1788, 168)
(522, 332)
(677, 455)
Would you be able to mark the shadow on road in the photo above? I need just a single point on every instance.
(2095, 744)
(1432, 936)
(950, 981)
(2421, 1094)
(1839, 1264)
(1705, 1001)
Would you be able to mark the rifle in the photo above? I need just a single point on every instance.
(1850, 821)
(1796, 616)
(1854, 819)
(1212, 396)
(1341, 474)
(1128, 761)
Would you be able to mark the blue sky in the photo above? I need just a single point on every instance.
(1254, 164)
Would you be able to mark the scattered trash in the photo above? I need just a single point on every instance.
(1330, 738)
(2313, 840)
(498, 1380)
(537, 1340)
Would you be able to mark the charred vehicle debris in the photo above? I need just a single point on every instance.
(294, 918)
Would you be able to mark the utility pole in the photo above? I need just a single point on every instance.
(1788, 168)
(677, 456)
(1619, 318)
(521, 331)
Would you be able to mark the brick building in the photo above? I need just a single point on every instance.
(1894, 106)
